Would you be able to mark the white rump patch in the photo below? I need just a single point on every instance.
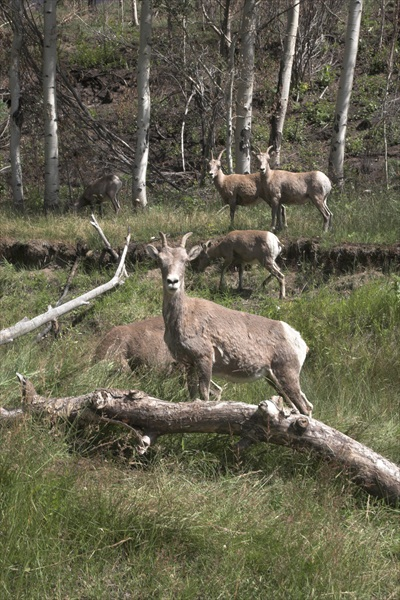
(297, 341)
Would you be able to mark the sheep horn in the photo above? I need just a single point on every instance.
(221, 153)
(270, 148)
(185, 237)
(163, 237)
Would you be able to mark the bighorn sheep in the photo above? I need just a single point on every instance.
(235, 190)
(283, 187)
(141, 344)
(241, 248)
(208, 338)
(137, 344)
(106, 186)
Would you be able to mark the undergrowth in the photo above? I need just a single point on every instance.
(83, 516)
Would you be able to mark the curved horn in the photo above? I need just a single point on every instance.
(163, 237)
(185, 237)
(221, 153)
(270, 148)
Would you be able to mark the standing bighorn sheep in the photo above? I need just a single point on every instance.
(242, 248)
(283, 187)
(106, 186)
(137, 344)
(235, 190)
(208, 338)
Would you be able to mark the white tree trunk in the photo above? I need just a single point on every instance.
(135, 19)
(336, 157)
(285, 76)
(16, 111)
(229, 105)
(143, 118)
(51, 190)
(245, 87)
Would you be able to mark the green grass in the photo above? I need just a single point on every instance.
(83, 516)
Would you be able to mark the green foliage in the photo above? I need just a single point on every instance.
(103, 53)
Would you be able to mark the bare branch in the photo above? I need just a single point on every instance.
(28, 325)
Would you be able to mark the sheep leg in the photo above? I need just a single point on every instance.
(192, 382)
(275, 224)
(274, 270)
(288, 386)
(241, 269)
(232, 210)
(320, 203)
(226, 264)
(204, 369)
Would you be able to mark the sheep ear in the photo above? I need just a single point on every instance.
(194, 252)
(152, 251)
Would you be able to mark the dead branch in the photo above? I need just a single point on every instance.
(54, 323)
(106, 243)
(148, 418)
(28, 325)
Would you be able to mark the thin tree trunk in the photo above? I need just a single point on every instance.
(148, 418)
(135, 19)
(245, 87)
(51, 190)
(388, 84)
(229, 105)
(336, 157)
(143, 118)
(285, 75)
(16, 110)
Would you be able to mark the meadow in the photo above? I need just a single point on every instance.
(83, 517)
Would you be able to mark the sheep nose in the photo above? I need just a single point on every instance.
(172, 282)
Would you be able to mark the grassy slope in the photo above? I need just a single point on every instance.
(82, 517)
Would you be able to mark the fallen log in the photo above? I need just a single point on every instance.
(149, 418)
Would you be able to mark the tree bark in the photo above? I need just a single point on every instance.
(143, 119)
(51, 187)
(245, 88)
(16, 110)
(336, 157)
(148, 418)
(285, 75)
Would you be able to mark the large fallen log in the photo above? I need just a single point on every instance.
(149, 418)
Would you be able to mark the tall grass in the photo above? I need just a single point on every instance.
(82, 516)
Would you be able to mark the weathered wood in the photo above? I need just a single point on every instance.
(148, 418)
(27, 325)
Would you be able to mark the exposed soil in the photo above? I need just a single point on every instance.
(343, 258)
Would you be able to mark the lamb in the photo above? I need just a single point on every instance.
(106, 186)
(138, 344)
(283, 187)
(208, 338)
(241, 248)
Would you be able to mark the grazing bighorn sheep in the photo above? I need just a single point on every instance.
(242, 248)
(138, 344)
(208, 338)
(284, 187)
(106, 186)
